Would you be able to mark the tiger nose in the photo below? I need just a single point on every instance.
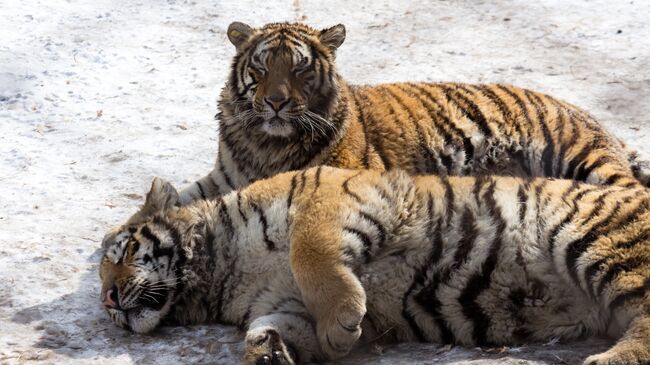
(276, 101)
(110, 298)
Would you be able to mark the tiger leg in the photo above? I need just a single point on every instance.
(628, 296)
(610, 173)
(329, 288)
(632, 349)
(203, 188)
(640, 167)
(599, 166)
(283, 338)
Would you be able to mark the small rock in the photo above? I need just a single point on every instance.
(116, 157)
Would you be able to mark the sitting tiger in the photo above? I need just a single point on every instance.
(285, 107)
(307, 261)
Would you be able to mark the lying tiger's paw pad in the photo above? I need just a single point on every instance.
(267, 348)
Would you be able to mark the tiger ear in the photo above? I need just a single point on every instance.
(161, 196)
(239, 33)
(333, 37)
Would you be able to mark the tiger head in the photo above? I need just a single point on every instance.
(283, 79)
(141, 267)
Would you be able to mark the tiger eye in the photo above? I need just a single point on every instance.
(255, 73)
(135, 247)
(301, 64)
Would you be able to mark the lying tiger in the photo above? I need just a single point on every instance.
(307, 261)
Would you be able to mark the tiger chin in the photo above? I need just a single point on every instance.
(314, 262)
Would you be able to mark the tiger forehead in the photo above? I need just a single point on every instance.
(296, 28)
(117, 250)
(282, 42)
(286, 36)
(130, 241)
(277, 55)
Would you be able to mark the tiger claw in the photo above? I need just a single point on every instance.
(267, 348)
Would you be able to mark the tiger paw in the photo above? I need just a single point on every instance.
(618, 357)
(341, 330)
(265, 347)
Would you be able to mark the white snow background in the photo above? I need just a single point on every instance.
(97, 97)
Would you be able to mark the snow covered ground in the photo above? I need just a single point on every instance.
(99, 96)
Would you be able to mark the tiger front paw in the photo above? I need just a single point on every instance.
(629, 356)
(265, 347)
(338, 332)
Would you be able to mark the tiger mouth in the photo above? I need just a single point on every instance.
(126, 312)
(276, 120)
(119, 317)
(278, 127)
(126, 318)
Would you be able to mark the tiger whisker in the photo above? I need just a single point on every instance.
(148, 295)
(162, 286)
(321, 120)
(317, 125)
(164, 281)
(303, 122)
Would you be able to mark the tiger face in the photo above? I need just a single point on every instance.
(140, 270)
(283, 77)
